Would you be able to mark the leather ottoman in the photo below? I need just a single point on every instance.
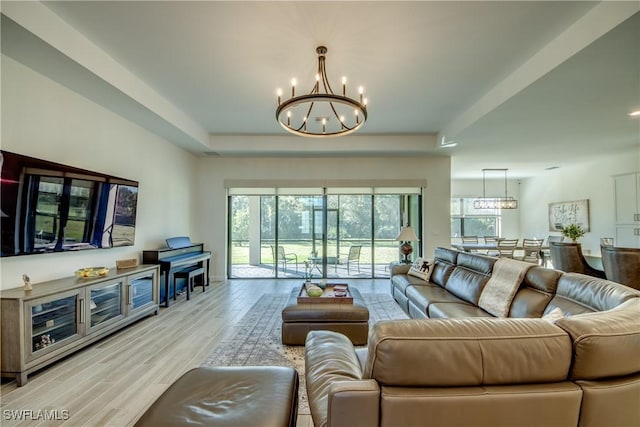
(351, 320)
(237, 396)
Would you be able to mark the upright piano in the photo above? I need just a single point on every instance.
(179, 254)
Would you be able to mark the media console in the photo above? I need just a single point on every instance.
(62, 316)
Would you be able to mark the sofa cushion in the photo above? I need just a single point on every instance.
(453, 310)
(466, 284)
(605, 344)
(467, 352)
(441, 273)
(402, 281)
(421, 268)
(542, 279)
(329, 357)
(423, 296)
(578, 293)
(529, 302)
(445, 255)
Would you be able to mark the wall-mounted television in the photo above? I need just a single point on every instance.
(49, 207)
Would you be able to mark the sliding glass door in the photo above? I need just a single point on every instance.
(318, 233)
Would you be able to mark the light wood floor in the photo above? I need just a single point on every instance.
(113, 381)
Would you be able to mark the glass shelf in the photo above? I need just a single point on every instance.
(105, 303)
(52, 322)
(141, 291)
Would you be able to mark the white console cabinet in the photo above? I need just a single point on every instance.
(61, 316)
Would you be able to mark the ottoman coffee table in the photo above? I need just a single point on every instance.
(349, 316)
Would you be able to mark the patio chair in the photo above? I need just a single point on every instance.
(283, 258)
(352, 257)
(531, 250)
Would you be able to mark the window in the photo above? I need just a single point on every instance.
(468, 221)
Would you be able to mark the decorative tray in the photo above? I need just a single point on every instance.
(333, 293)
(91, 272)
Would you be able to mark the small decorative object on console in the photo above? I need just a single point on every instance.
(27, 283)
(90, 272)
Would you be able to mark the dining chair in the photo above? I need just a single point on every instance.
(507, 247)
(492, 240)
(532, 250)
(568, 257)
(470, 239)
(622, 265)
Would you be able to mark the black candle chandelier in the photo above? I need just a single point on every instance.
(321, 113)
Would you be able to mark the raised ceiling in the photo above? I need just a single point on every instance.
(518, 85)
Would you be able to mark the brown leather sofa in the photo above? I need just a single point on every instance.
(466, 367)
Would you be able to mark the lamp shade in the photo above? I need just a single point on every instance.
(407, 235)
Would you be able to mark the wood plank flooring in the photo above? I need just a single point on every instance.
(113, 381)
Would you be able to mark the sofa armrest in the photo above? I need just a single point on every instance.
(354, 403)
(329, 358)
(400, 269)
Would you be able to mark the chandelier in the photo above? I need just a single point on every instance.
(321, 113)
(505, 202)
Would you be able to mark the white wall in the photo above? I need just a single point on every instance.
(592, 181)
(42, 119)
(213, 172)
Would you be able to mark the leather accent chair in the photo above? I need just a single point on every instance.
(622, 265)
(568, 257)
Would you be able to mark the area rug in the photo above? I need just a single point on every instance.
(256, 338)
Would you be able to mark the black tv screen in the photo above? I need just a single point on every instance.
(49, 207)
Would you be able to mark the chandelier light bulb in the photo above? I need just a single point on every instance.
(293, 87)
(279, 92)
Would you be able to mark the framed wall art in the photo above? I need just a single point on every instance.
(562, 214)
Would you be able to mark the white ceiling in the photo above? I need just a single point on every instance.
(518, 85)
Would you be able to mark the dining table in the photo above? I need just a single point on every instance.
(472, 247)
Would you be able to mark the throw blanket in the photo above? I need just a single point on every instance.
(502, 286)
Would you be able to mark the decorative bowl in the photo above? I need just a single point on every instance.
(89, 272)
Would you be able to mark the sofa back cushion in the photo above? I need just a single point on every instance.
(467, 352)
(605, 344)
(445, 261)
(579, 293)
(470, 276)
(538, 287)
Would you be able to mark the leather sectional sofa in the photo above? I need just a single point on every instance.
(464, 366)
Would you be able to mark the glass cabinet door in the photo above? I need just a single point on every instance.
(141, 290)
(105, 303)
(52, 322)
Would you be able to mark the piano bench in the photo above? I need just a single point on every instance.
(189, 274)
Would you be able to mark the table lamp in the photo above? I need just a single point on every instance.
(406, 235)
